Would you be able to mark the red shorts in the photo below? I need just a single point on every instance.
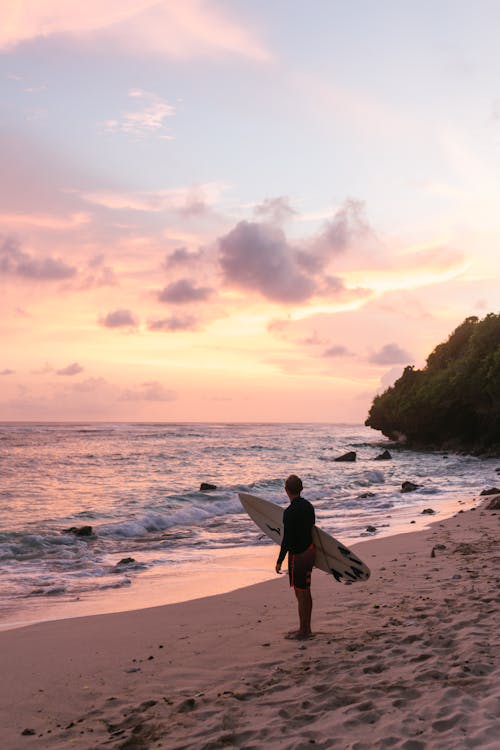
(300, 566)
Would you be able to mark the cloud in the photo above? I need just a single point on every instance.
(99, 274)
(190, 29)
(43, 370)
(174, 323)
(276, 210)
(256, 257)
(15, 262)
(147, 121)
(390, 354)
(181, 257)
(7, 372)
(390, 377)
(336, 351)
(45, 221)
(73, 369)
(185, 201)
(90, 385)
(149, 391)
(183, 292)
(337, 235)
(119, 319)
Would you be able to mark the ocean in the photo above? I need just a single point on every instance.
(138, 487)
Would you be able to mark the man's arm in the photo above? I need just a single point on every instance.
(284, 543)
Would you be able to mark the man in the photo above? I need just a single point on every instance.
(298, 522)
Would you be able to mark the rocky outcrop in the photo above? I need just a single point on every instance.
(491, 491)
(206, 486)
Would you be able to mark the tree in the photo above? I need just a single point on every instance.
(454, 401)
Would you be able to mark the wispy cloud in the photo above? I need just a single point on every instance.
(190, 29)
(186, 201)
(44, 221)
(147, 120)
(174, 323)
(16, 262)
(336, 351)
(149, 391)
(73, 369)
(390, 354)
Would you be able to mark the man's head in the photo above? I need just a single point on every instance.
(293, 486)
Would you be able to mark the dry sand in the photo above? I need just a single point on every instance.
(408, 660)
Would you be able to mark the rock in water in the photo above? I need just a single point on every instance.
(385, 456)
(491, 491)
(206, 486)
(79, 531)
(350, 456)
(409, 487)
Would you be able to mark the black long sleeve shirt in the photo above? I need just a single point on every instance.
(298, 522)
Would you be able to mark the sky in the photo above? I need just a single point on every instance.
(240, 210)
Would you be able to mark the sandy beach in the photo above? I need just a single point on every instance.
(408, 660)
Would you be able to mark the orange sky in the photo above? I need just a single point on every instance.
(211, 213)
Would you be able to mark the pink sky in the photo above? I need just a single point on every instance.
(210, 212)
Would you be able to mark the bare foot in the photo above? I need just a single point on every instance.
(298, 635)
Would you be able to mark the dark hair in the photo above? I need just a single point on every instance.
(293, 484)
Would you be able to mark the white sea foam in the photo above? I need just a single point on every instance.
(138, 487)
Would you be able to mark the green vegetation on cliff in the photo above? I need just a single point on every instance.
(454, 401)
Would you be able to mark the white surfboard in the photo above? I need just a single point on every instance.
(331, 556)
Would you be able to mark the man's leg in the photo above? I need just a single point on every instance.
(304, 600)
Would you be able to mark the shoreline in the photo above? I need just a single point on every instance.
(407, 660)
(218, 571)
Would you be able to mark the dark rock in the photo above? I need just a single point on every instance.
(437, 546)
(409, 487)
(79, 531)
(367, 494)
(428, 512)
(385, 456)
(350, 456)
(126, 561)
(28, 732)
(371, 529)
(186, 706)
(491, 491)
(493, 504)
(206, 486)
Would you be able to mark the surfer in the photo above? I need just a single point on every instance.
(298, 522)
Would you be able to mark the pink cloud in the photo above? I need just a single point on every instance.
(16, 262)
(120, 319)
(146, 121)
(183, 291)
(149, 391)
(73, 369)
(174, 323)
(147, 27)
(391, 354)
